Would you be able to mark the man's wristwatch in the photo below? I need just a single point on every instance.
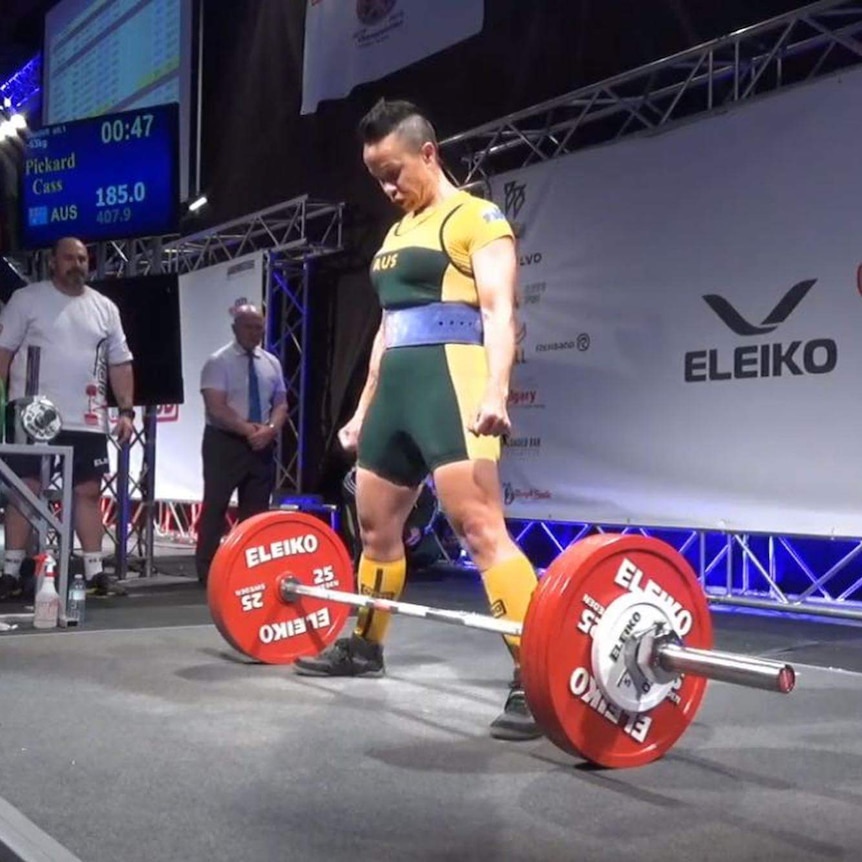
(128, 412)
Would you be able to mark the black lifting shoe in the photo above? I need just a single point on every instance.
(353, 656)
(515, 723)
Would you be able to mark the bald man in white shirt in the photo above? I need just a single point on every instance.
(83, 350)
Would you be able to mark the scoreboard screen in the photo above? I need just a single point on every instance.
(109, 177)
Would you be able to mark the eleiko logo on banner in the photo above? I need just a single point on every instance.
(776, 359)
(735, 321)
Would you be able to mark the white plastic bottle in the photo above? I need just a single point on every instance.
(47, 605)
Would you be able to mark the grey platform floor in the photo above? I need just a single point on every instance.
(143, 736)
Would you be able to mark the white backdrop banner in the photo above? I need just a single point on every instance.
(349, 42)
(207, 298)
(689, 351)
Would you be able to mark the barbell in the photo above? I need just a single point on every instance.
(616, 645)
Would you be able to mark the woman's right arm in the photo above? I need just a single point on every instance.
(377, 349)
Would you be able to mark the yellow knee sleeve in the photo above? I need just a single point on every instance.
(509, 586)
(385, 580)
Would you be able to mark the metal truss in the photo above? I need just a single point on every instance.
(293, 234)
(799, 46)
(287, 284)
(300, 228)
(792, 574)
(125, 521)
(23, 85)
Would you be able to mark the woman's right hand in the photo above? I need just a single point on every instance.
(348, 435)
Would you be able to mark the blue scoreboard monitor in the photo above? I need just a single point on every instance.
(109, 177)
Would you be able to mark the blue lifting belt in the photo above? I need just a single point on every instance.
(436, 323)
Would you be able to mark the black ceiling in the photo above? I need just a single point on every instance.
(20, 32)
(695, 20)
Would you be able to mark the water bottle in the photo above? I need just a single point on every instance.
(76, 605)
(47, 605)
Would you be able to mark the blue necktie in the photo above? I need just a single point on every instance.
(254, 412)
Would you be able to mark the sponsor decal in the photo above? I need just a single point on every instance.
(498, 609)
(531, 294)
(525, 399)
(513, 494)
(164, 413)
(492, 214)
(378, 20)
(522, 446)
(550, 346)
(372, 12)
(520, 337)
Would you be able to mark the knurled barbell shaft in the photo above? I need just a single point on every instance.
(291, 589)
(721, 666)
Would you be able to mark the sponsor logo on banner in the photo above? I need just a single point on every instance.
(514, 198)
(520, 337)
(168, 413)
(379, 20)
(513, 494)
(164, 413)
(516, 447)
(525, 399)
(530, 258)
(776, 358)
(531, 294)
(581, 343)
(371, 12)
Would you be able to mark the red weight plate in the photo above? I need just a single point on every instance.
(570, 566)
(243, 588)
(557, 640)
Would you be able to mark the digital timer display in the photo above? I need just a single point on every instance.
(109, 177)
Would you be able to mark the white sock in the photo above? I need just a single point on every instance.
(92, 565)
(12, 562)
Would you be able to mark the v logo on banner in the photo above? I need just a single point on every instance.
(735, 321)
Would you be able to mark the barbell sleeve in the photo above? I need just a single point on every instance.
(726, 667)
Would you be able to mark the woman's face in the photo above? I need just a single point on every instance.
(405, 174)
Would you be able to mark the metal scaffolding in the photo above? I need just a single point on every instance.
(793, 574)
(292, 235)
(799, 46)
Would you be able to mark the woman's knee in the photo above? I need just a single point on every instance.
(376, 531)
(482, 530)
